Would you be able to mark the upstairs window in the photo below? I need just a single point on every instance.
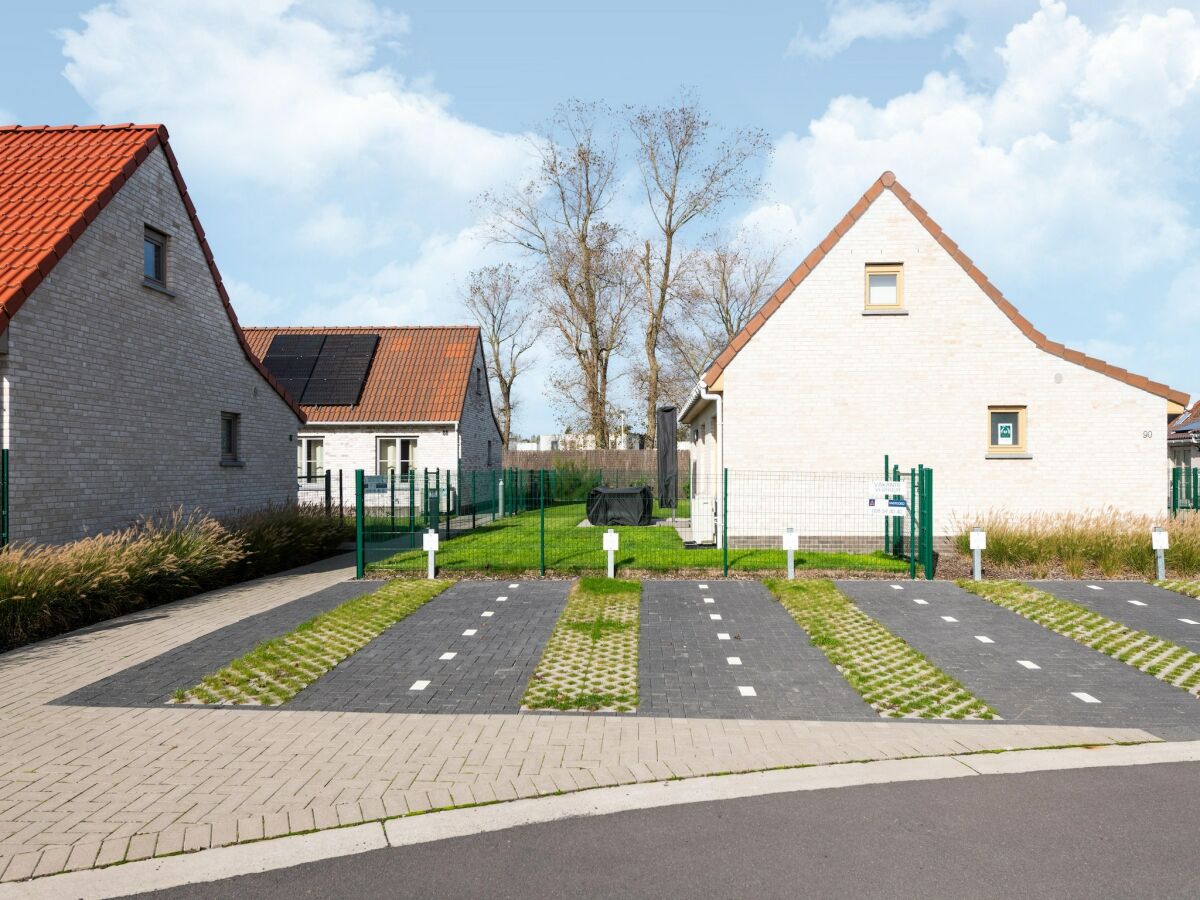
(884, 286)
(154, 257)
(1006, 429)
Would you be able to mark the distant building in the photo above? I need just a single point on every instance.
(391, 401)
(128, 387)
(618, 440)
(1183, 441)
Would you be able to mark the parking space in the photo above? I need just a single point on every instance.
(1142, 606)
(1026, 672)
(471, 649)
(728, 649)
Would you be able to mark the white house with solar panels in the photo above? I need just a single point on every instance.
(396, 402)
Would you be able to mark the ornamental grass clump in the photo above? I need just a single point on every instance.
(1106, 543)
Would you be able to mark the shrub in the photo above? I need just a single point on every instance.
(1106, 541)
(48, 589)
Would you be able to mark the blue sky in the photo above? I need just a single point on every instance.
(334, 148)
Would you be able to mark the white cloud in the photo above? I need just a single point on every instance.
(332, 230)
(1183, 298)
(851, 21)
(280, 92)
(252, 306)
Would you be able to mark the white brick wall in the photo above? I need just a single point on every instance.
(823, 388)
(117, 390)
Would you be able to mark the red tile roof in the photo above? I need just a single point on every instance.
(887, 182)
(53, 184)
(419, 374)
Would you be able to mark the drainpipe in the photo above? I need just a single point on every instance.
(704, 394)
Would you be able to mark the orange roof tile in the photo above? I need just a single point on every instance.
(53, 184)
(887, 181)
(419, 374)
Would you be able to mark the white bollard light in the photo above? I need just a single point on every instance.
(429, 543)
(612, 542)
(500, 497)
(1161, 544)
(791, 543)
(978, 545)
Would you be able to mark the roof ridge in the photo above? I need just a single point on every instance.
(888, 181)
(123, 126)
(360, 327)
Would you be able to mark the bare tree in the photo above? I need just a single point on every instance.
(724, 285)
(557, 217)
(685, 178)
(499, 300)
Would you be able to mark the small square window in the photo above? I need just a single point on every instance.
(229, 437)
(154, 256)
(884, 286)
(1006, 429)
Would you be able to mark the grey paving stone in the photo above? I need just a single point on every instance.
(992, 672)
(683, 668)
(152, 682)
(488, 673)
(1160, 616)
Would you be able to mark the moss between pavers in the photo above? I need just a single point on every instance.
(278, 669)
(591, 659)
(889, 674)
(1148, 653)
(1187, 588)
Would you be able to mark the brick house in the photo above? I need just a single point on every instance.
(419, 400)
(888, 340)
(1183, 441)
(128, 386)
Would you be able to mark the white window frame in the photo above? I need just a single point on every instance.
(302, 457)
(400, 438)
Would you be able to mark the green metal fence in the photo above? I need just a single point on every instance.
(1185, 489)
(535, 521)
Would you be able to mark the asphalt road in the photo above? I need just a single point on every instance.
(1114, 832)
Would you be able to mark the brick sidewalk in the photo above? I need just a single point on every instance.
(84, 786)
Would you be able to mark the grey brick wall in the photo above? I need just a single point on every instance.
(478, 426)
(116, 390)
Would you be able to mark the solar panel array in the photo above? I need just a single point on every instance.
(322, 369)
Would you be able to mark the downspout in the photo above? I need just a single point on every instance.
(716, 398)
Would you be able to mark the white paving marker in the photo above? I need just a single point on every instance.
(716, 617)
(704, 587)
(949, 619)
(488, 613)
(501, 599)
(1095, 587)
(1027, 664)
(733, 660)
(896, 587)
(722, 636)
(449, 655)
(709, 600)
(1137, 603)
(747, 691)
(1086, 698)
(1189, 622)
(921, 602)
(513, 586)
(469, 632)
(984, 639)
(419, 685)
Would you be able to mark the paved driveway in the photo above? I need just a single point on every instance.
(1026, 672)
(1160, 612)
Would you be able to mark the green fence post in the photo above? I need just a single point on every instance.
(913, 499)
(1175, 473)
(1195, 487)
(887, 523)
(897, 521)
(341, 499)
(328, 493)
(472, 501)
(412, 508)
(450, 508)
(392, 495)
(542, 528)
(359, 528)
(725, 521)
(920, 548)
(929, 524)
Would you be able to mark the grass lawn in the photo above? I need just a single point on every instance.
(591, 659)
(278, 669)
(1153, 655)
(512, 545)
(889, 674)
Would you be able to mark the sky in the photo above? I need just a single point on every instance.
(336, 149)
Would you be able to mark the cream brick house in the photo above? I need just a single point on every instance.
(888, 340)
(422, 402)
(128, 387)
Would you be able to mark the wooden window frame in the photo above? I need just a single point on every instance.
(896, 269)
(1021, 448)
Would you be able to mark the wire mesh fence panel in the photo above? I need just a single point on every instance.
(518, 520)
(1185, 488)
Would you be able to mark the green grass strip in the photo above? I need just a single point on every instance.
(1148, 653)
(278, 669)
(890, 675)
(591, 659)
(1187, 588)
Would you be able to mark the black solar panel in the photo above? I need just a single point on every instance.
(337, 378)
(291, 358)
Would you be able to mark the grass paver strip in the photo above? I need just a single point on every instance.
(277, 670)
(511, 545)
(890, 675)
(591, 659)
(1146, 652)
(1187, 588)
